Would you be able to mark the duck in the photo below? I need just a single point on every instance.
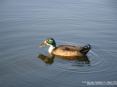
(66, 51)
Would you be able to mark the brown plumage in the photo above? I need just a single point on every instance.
(70, 51)
(67, 50)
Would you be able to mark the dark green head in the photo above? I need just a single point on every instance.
(49, 41)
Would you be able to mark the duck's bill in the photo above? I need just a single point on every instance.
(42, 44)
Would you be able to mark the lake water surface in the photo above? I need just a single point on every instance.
(25, 23)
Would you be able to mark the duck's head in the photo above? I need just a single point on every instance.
(49, 42)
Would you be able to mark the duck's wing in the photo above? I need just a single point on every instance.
(71, 51)
(82, 49)
(69, 48)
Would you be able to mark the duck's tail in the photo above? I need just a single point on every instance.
(85, 49)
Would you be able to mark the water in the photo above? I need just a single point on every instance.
(25, 23)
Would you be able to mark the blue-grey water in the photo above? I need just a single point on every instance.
(25, 23)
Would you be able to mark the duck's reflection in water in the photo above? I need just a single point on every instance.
(49, 59)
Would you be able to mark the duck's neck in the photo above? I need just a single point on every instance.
(51, 49)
